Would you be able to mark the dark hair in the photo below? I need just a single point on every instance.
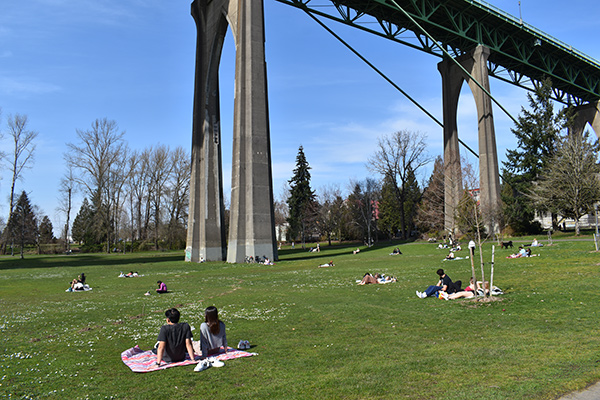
(173, 315)
(440, 272)
(211, 317)
(159, 282)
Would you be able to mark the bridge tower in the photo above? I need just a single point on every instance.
(251, 228)
(587, 113)
(453, 77)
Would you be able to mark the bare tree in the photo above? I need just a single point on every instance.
(397, 156)
(138, 184)
(2, 153)
(160, 168)
(96, 157)
(177, 194)
(570, 185)
(66, 190)
(22, 151)
(362, 203)
(330, 210)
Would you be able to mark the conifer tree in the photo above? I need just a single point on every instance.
(430, 216)
(22, 225)
(83, 225)
(537, 133)
(46, 231)
(301, 202)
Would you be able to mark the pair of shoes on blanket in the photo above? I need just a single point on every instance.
(207, 363)
(243, 345)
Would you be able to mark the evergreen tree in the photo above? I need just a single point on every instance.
(22, 225)
(46, 231)
(301, 203)
(430, 216)
(469, 216)
(537, 133)
(83, 225)
(389, 209)
(413, 198)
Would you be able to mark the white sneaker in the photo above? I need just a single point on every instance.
(215, 362)
(202, 365)
(418, 293)
(246, 344)
(241, 345)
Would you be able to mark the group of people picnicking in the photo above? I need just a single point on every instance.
(175, 339)
(446, 289)
(525, 251)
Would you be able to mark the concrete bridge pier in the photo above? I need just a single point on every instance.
(587, 113)
(251, 228)
(206, 232)
(252, 224)
(489, 179)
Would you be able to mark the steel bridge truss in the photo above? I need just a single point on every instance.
(520, 54)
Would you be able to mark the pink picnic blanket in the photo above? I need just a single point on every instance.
(139, 360)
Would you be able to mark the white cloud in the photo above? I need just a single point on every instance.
(26, 86)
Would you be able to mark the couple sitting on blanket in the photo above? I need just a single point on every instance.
(176, 337)
(443, 288)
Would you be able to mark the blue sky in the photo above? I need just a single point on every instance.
(65, 63)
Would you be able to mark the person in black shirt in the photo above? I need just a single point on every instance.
(174, 339)
(444, 286)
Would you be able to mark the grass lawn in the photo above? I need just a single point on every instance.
(318, 333)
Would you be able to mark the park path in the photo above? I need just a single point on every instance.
(590, 393)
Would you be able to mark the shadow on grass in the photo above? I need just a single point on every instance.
(298, 254)
(82, 260)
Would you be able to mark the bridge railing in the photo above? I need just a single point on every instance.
(533, 30)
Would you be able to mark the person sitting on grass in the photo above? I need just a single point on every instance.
(174, 339)
(162, 287)
(450, 256)
(78, 284)
(356, 251)
(395, 252)
(535, 243)
(213, 339)
(442, 288)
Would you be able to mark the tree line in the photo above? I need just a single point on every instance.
(553, 170)
(138, 199)
(132, 199)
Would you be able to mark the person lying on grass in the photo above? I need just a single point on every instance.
(467, 293)
(329, 264)
(377, 278)
(522, 253)
(174, 339)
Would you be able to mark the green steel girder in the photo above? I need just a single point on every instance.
(520, 54)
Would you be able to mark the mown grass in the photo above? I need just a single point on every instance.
(318, 334)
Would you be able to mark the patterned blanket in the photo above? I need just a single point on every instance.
(139, 360)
